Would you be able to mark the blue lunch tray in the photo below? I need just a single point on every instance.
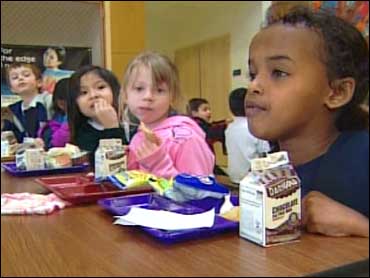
(122, 205)
(12, 169)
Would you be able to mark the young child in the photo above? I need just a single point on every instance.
(309, 76)
(177, 145)
(200, 111)
(28, 114)
(92, 106)
(241, 145)
(56, 132)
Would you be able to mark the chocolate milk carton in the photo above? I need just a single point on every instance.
(270, 201)
(110, 158)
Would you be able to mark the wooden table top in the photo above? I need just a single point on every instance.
(82, 241)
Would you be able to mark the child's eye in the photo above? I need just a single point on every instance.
(279, 74)
(139, 89)
(101, 87)
(82, 93)
(161, 90)
(252, 76)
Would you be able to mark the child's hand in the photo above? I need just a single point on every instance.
(149, 134)
(105, 114)
(324, 215)
(146, 149)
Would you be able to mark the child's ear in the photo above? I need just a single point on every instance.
(341, 92)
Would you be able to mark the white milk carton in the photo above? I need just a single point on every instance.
(35, 159)
(5, 150)
(110, 158)
(270, 201)
(8, 143)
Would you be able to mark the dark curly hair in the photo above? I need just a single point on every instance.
(236, 102)
(344, 52)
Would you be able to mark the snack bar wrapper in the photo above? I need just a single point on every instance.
(192, 187)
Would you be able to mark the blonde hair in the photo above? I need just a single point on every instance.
(162, 69)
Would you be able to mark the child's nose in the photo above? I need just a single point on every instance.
(148, 94)
(255, 86)
(94, 93)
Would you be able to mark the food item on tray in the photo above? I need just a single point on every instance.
(8, 136)
(232, 214)
(149, 134)
(80, 158)
(58, 157)
(58, 160)
(62, 156)
(8, 143)
(29, 157)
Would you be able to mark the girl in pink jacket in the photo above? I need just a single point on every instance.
(177, 144)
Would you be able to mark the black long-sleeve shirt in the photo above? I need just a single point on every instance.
(87, 137)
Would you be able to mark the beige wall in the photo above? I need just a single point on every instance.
(188, 23)
(124, 31)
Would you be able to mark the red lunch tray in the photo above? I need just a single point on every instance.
(83, 189)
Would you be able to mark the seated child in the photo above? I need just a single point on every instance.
(309, 76)
(92, 106)
(27, 115)
(200, 111)
(166, 144)
(56, 132)
(241, 145)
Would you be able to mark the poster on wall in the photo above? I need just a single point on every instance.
(354, 12)
(54, 62)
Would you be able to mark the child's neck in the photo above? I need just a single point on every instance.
(158, 122)
(152, 125)
(28, 97)
(306, 148)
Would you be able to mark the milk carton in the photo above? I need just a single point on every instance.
(5, 150)
(8, 143)
(110, 158)
(270, 201)
(30, 159)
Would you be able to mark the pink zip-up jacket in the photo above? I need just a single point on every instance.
(183, 149)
